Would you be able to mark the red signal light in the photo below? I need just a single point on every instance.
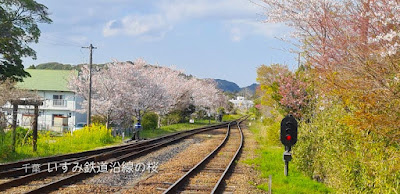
(288, 137)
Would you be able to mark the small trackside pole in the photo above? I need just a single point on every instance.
(286, 168)
(287, 157)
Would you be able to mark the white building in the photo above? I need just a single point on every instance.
(241, 103)
(59, 110)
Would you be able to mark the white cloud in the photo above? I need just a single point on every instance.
(109, 30)
(169, 13)
(153, 25)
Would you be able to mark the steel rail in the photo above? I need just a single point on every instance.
(174, 188)
(105, 156)
(219, 186)
(82, 175)
(8, 169)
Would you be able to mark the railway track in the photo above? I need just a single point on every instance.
(52, 178)
(209, 174)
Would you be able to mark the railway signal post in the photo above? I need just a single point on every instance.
(288, 138)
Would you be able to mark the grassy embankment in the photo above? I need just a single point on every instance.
(270, 162)
(85, 139)
(49, 143)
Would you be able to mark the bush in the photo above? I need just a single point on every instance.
(96, 134)
(6, 141)
(98, 119)
(345, 158)
(272, 134)
(172, 118)
(230, 117)
(6, 137)
(149, 121)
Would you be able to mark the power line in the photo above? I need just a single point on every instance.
(59, 41)
(63, 39)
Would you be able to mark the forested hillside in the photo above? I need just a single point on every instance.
(228, 86)
(60, 66)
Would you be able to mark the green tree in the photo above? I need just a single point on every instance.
(55, 65)
(149, 121)
(18, 28)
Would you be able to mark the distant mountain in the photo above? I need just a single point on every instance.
(228, 86)
(251, 87)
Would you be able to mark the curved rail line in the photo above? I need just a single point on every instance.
(109, 155)
(179, 185)
(219, 186)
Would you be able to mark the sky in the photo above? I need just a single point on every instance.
(223, 39)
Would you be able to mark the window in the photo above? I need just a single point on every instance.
(57, 120)
(58, 100)
(58, 97)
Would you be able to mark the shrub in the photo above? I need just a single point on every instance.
(172, 118)
(99, 119)
(20, 133)
(6, 140)
(149, 121)
(230, 117)
(272, 134)
(345, 158)
(96, 134)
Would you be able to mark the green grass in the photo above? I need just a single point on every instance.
(48, 144)
(270, 162)
(230, 117)
(164, 130)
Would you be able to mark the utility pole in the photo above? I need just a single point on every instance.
(90, 47)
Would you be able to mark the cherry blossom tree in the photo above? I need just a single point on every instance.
(357, 39)
(205, 95)
(353, 46)
(140, 92)
(281, 86)
(106, 96)
(295, 98)
(176, 85)
(123, 90)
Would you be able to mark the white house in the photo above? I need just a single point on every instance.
(241, 103)
(59, 110)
